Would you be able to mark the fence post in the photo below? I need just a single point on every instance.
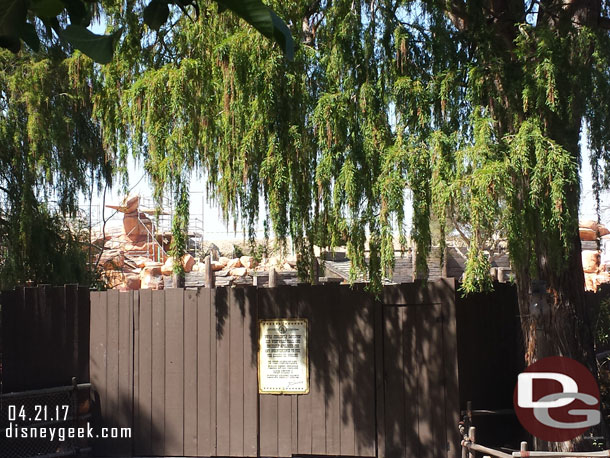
(316, 271)
(272, 278)
(523, 447)
(503, 274)
(413, 260)
(178, 280)
(493, 272)
(472, 437)
(210, 276)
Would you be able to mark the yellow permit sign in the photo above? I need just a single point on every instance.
(283, 366)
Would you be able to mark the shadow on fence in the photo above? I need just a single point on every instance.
(180, 366)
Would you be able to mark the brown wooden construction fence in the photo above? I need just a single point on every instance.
(44, 337)
(180, 368)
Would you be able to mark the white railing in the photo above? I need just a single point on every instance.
(470, 447)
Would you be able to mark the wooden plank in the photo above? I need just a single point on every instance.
(112, 363)
(350, 403)
(450, 368)
(267, 308)
(71, 355)
(205, 332)
(190, 373)
(395, 428)
(98, 357)
(284, 425)
(236, 371)
(174, 372)
(27, 349)
(158, 374)
(332, 394)
(304, 413)
(25, 346)
(58, 324)
(294, 405)
(285, 307)
(364, 377)
(277, 410)
(31, 376)
(47, 351)
(318, 325)
(304, 430)
(57, 321)
(431, 401)
(223, 374)
(124, 415)
(22, 344)
(8, 339)
(144, 403)
(136, 370)
(213, 370)
(250, 372)
(63, 357)
(84, 317)
(411, 378)
(379, 333)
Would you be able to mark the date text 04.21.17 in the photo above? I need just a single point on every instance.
(37, 413)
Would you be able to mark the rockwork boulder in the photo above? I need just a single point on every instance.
(590, 261)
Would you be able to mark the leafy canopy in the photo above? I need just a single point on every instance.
(476, 108)
(52, 148)
(50, 151)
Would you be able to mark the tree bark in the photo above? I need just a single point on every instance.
(555, 320)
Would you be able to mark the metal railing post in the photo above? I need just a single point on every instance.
(472, 436)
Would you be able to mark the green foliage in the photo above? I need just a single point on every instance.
(259, 251)
(48, 15)
(237, 251)
(50, 150)
(479, 118)
(49, 250)
(481, 124)
(180, 224)
(262, 19)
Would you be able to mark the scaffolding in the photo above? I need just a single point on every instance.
(157, 221)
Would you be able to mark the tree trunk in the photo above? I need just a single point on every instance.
(555, 321)
(554, 317)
